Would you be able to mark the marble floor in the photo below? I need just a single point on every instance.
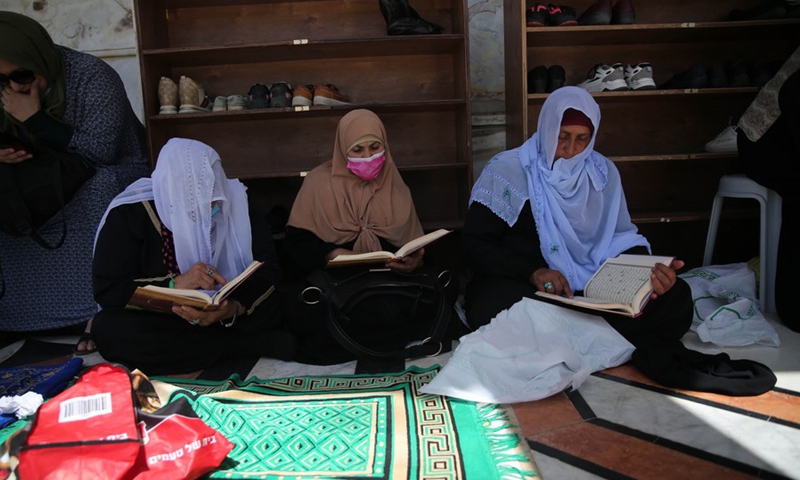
(621, 425)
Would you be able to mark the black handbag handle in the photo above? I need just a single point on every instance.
(339, 303)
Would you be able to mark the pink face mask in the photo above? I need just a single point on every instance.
(366, 168)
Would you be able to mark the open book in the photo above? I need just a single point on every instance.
(162, 299)
(382, 256)
(621, 285)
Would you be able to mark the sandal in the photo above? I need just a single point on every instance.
(84, 339)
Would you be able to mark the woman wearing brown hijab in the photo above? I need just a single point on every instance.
(355, 203)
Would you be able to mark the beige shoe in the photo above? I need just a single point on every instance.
(167, 96)
(193, 97)
(303, 96)
(327, 94)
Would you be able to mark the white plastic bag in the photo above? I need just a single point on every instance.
(529, 352)
(725, 311)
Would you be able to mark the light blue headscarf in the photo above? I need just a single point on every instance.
(578, 204)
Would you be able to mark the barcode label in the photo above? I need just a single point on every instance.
(81, 408)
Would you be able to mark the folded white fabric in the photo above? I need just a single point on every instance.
(529, 352)
(21, 405)
(725, 311)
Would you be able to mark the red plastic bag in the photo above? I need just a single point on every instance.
(94, 430)
(87, 431)
(179, 445)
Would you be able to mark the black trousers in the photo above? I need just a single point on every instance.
(666, 318)
(774, 162)
(157, 343)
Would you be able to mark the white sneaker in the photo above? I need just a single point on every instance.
(725, 142)
(605, 78)
(640, 77)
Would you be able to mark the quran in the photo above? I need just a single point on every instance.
(621, 285)
(162, 299)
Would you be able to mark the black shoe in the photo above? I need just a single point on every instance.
(556, 78)
(623, 13)
(561, 16)
(717, 78)
(693, 77)
(258, 96)
(769, 10)
(537, 79)
(537, 15)
(281, 94)
(760, 73)
(737, 74)
(402, 19)
(597, 14)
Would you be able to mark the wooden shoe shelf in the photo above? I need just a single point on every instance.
(656, 137)
(418, 85)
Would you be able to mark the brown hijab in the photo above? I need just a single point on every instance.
(338, 207)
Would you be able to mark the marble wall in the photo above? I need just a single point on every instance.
(105, 28)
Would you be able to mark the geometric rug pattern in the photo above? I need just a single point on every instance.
(356, 426)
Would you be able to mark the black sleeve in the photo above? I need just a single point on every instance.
(493, 249)
(49, 131)
(127, 255)
(306, 250)
(637, 250)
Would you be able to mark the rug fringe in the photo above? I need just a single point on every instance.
(505, 444)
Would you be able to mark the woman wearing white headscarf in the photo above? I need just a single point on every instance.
(546, 215)
(186, 227)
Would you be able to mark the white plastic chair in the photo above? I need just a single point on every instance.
(740, 186)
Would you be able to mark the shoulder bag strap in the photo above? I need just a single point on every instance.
(430, 346)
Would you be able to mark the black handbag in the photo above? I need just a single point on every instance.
(345, 291)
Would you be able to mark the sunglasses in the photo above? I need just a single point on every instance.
(21, 76)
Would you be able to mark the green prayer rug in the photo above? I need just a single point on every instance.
(355, 426)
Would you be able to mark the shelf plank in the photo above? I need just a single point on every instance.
(302, 174)
(581, 36)
(704, 215)
(682, 94)
(300, 49)
(294, 112)
(673, 157)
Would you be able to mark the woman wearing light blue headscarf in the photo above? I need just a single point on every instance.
(546, 215)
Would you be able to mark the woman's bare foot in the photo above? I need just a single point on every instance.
(85, 343)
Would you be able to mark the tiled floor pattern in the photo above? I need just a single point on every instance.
(620, 425)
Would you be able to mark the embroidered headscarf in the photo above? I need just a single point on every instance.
(764, 110)
(338, 207)
(24, 42)
(578, 203)
(188, 177)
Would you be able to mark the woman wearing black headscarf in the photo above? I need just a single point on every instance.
(65, 116)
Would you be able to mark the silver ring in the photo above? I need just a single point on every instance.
(548, 285)
(210, 271)
(196, 321)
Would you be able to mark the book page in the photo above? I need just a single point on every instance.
(618, 283)
(420, 242)
(591, 303)
(359, 258)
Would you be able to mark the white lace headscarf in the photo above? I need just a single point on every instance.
(188, 177)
